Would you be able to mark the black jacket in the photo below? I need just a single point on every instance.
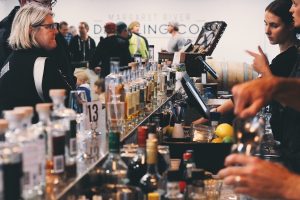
(108, 47)
(82, 50)
(59, 53)
(17, 86)
(5, 27)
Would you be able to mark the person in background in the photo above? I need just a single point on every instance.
(83, 83)
(73, 31)
(82, 47)
(59, 53)
(99, 89)
(285, 122)
(60, 36)
(111, 46)
(32, 39)
(176, 42)
(64, 30)
(251, 175)
(137, 43)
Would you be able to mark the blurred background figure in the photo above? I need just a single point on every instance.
(83, 83)
(64, 30)
(108, 47)
(73, 31)
(99, 89)
(176, 42)
(137, 43)
(82, 47)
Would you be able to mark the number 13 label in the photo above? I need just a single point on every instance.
(92, 111)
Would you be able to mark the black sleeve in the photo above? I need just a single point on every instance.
(73, 47)
(53, 79)
(97, 57)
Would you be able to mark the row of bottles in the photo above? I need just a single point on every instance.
(40, 155)
(131, 92)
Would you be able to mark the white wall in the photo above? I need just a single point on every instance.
(244, 18)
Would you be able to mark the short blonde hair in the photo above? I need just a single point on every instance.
(32, 14)
(82, 75)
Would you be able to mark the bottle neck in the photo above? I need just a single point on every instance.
(58, 103)
(44, 117)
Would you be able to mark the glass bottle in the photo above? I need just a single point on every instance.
(67, 117)
(17, 134)
(137, 167)
(114, 169)
(115, 97)
(197, 190)
(150, 181)
(42, 132)
(173, 190)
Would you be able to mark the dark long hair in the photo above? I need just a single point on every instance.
(281, 9)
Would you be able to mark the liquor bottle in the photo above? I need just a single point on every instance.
(11, 171)
(197, 191)
(137, 167)
(114, 169)
(115, 97)
(17, 134)
(67, 117)
(173, 190)
(153, 196)
(150, 181)
(188, 166)
(42, 132)
(3, 129)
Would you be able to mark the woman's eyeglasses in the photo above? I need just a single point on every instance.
(53, 26)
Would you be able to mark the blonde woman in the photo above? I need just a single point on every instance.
(29, 73)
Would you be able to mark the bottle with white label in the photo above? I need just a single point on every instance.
(18, 134)
(67, 117)
(42, 133)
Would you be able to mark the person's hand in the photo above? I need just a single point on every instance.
(202, 120)
(257, 178)
(260, 62)
(251, 96)
(97, 70)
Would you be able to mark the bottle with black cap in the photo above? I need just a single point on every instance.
(173, 190)
(197, 192)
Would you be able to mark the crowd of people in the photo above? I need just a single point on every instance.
(37, 54)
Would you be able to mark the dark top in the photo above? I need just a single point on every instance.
(5, 27)
(59, 54)
(282, 66)
(290, 126)
(108, 47)
(82, 50)
(17, 83)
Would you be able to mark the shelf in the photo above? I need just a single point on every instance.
(85, 166)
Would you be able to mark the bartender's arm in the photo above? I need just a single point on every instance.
(251, 96)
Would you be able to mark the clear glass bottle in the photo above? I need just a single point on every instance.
(42, 132)
(150, 181)
(19, 135)
(68, 118)
(137, 167)
(114, 169)
(173, 190)
(115, 97)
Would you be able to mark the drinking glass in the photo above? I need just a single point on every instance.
(248, 135)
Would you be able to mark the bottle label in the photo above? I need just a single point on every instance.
(173, 189)
(42, 160)
(58, 164)
(30, 164)
(73, 147)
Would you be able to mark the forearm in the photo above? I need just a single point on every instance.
(226, 107)
(287, 91)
